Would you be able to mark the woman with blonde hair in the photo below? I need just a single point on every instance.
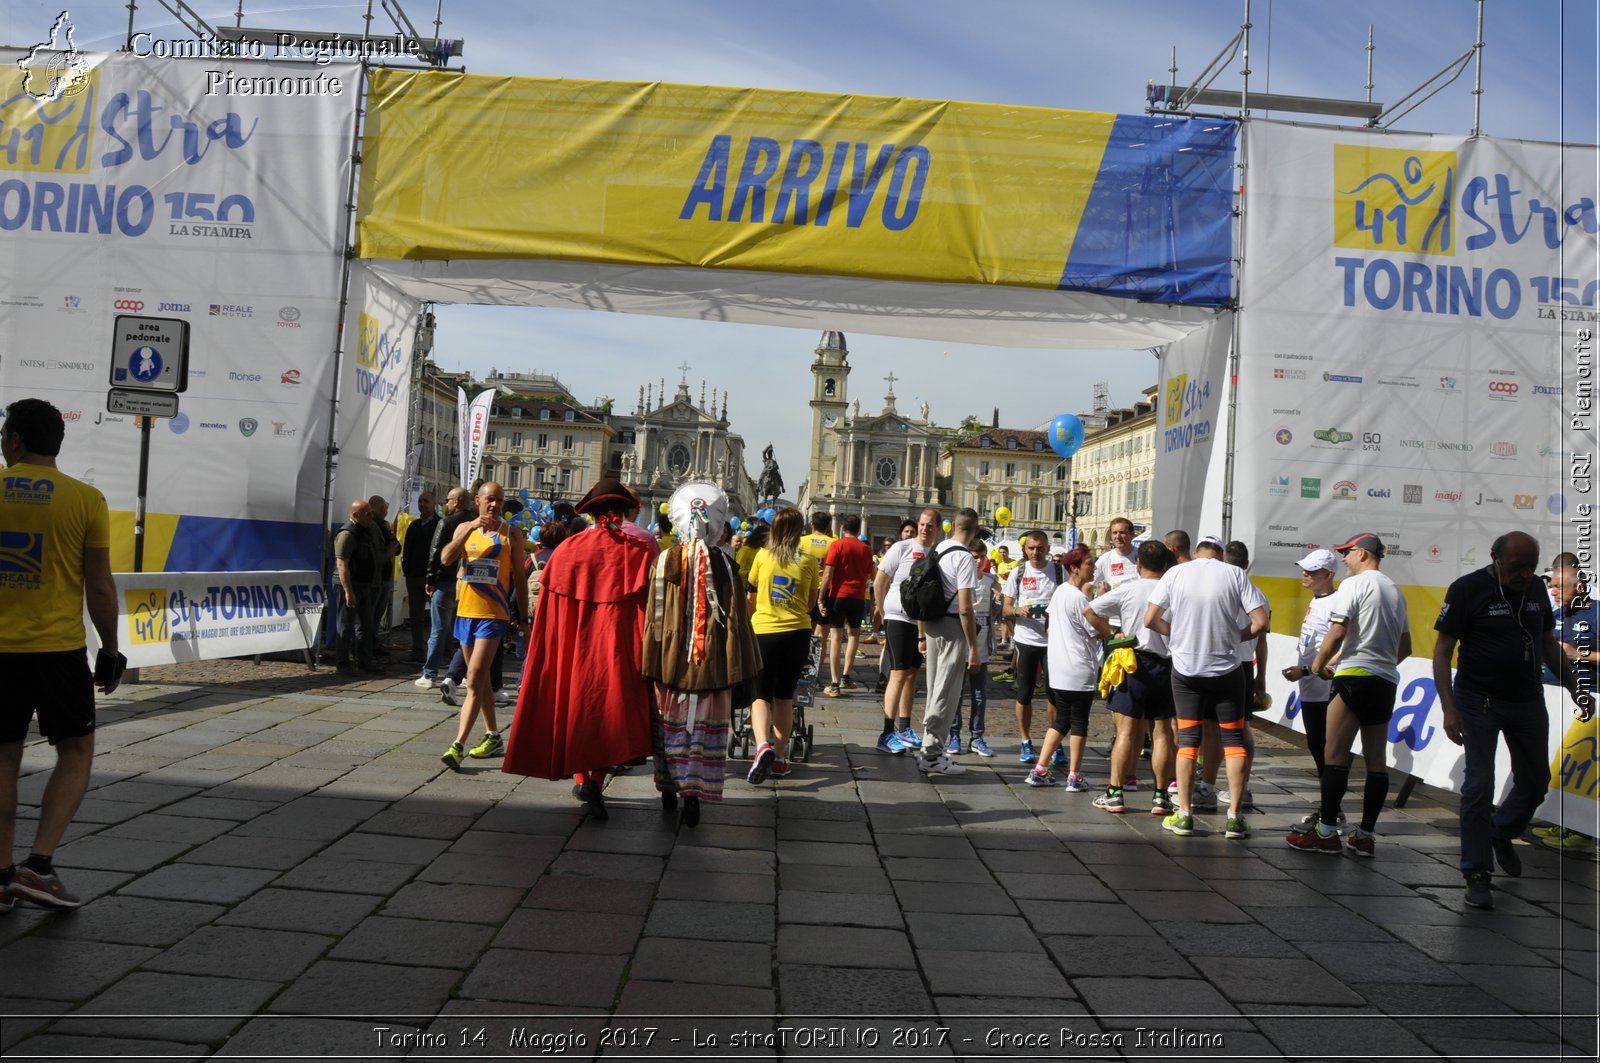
(783, 584)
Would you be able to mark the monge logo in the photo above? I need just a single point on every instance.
(1394, 199)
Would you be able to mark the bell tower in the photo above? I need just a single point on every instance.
(830, 373)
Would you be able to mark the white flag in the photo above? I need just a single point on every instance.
(461, 434)
(477, 431)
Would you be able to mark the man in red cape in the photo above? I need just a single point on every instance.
(584, 706)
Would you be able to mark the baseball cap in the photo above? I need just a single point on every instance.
(1365, 541)
(1318, 560)
(1212, 540)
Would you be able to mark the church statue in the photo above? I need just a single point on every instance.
(770, 486)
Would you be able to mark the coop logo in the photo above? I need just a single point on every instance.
(1340, 378)
(378, 358)
(135, 305)
(1344, 491)
(1411, 494)
(174, 308)
(1547, 389)
(1522, 501)
(290, 377)
(1447, 496)
(1310, 487)
(1502, 389)
(1279, 487)
(1334, 436)
(288, 317)
(1503, 449)
(1394, 199)
(1288, 374)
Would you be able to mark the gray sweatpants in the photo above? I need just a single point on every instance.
(946, 667)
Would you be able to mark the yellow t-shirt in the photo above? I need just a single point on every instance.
(483, 582)
(783, 593)
(815, 544)
(47, 519)
(744, 559)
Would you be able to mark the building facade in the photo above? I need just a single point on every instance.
(1116, 468)
(1014, 468)
(542, 439)
(666, 442)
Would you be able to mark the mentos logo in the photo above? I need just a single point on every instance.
(1394, 199)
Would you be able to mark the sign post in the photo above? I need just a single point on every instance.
(149, 366)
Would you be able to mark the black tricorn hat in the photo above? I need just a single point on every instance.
(614, 491)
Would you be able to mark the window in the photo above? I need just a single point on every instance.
(544, 440)
(1011, 470)
(1033, 509)
(829, 388)
(886, 471)
(1130, 496)
(566, 479)
(538, 476)
(516, 411)
(1061, 471)
(570, 415)
(488, 440)
(1011, 442)
(983, 506)
(983, 468)
(678, 459)
(616, 461)
(516, 440)
(514, 476)
(1034, 471)
(566, 444)
(985, 441)
(625, 436)
(544, 415)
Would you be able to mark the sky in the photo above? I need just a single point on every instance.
(1539, 83)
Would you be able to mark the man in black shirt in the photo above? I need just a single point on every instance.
(414, 558)
(439, 584)
(1500, 616)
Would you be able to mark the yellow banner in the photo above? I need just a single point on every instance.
(471, 166)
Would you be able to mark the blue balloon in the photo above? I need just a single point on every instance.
(1066, 435)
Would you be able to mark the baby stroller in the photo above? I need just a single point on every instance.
(741, 735)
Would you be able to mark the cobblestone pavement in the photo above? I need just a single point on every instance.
(277, 865)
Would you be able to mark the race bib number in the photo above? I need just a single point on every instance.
(480, 572)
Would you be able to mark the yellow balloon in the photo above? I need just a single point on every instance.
(1002, 516)
(947, 527)
(663, 509)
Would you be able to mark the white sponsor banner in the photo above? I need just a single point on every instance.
(1191, 431)
(1415, 357)
(141, 190)
(476, 435)
(1418, 746)
(375, 393)
(167, 617)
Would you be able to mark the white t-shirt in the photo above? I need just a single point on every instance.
(1114, 569)
(1313, 628)
(1202, 600)
(958, 571)
(1028, 586)
(897, 562)
(981, 597)
(1073, 657)
(1246, 652)
(1373, 612)
(1126, 601)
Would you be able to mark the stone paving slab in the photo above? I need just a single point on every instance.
(289, 847)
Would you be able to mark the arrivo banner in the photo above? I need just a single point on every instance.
(134, 190)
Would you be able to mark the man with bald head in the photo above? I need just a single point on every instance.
(1500, 617)
(359, 560)
(439, 584)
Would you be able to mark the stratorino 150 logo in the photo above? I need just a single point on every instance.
(1394, 199)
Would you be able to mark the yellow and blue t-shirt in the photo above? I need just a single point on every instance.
(47, 520)
(483, 584)
(783, 593)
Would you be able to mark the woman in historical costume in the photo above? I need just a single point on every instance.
(584, 705)
(698, 644)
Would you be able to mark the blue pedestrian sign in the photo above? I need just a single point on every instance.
(145, 365)
(150, 354)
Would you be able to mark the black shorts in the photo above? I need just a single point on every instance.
(846, 612)
(902, 650)
(1209, 697)
(58, 686)
(1069, 711)
(1145, 694)
(1369, 698)
(1029, 658)
(783, 658)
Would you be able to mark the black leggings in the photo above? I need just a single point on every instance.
(1315, 715)
(1069, 711)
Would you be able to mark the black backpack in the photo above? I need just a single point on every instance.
(922, 595)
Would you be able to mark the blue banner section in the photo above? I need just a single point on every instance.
(1158, 226)
(223, 544)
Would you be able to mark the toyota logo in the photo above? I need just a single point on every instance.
(1504, 387)
(129, 304)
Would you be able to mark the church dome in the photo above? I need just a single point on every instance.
(833, 341)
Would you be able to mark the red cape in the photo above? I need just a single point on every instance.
(584, 705)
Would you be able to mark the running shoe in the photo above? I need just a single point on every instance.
(762, 766)
(980, 747)
(889, 742)
(1249, 798)
(847, 684)
(1310, 820)
(1025, 752)
(450, 691)
(780, 769)
(1179, 824)
(1478, 894)
(1549, 832)
(1004, 677)
(1111, 801)
(1076, 783)
(1236, 827)
(1314, 841)
(505, 697)
(1131, 784)
(491, 746)
(831, 690)
(424, 682)
(452, 756)
(45, 890)
(1172, 787)
(1569, 841)
(1360, 843)
(1040, 777)
(1205, 797)
(1058, 759)
(1505, 854)
(1160, 804)
(939, 765)
(953, 747)
(910, 738)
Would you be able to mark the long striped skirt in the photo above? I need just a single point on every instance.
(691, 741)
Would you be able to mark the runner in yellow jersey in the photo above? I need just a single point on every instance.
(816, 545)
(491, 575)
